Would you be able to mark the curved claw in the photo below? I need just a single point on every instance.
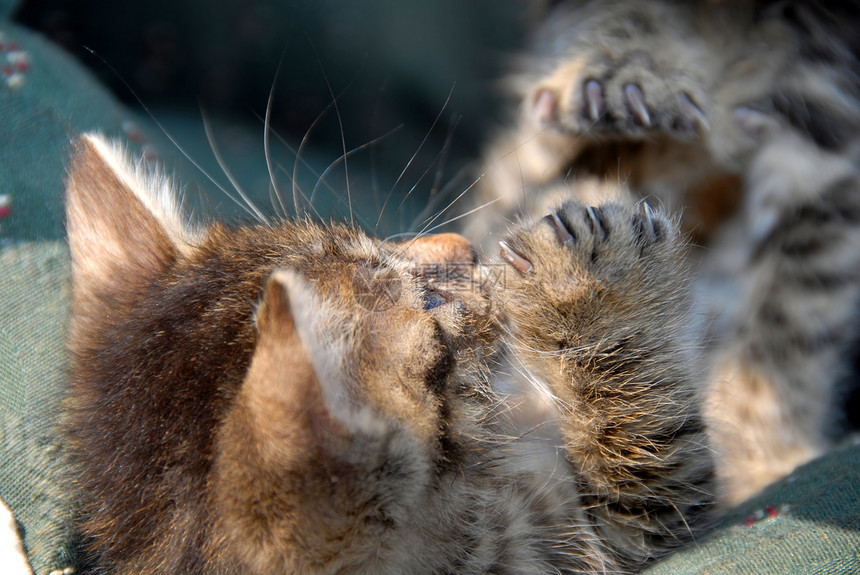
(636, 101)
(561, 231)
(648, 215)
(595, 223)
(515, 259)
(594, 100)
(692, 112)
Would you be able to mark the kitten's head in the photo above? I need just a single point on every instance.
(296, 387)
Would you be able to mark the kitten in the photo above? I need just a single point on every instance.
(302, 398)
(743, 118)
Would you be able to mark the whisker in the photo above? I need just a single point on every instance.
(207, 127)
(411, 159)
(305, 138)
(286, 173)
(429, 220)
(446, 146)
(423, 217)
(298, 153)
(267, 124)
(342, 134)
(343, 157)
(374, 121)
(423, 231)
(455, 218)
(299, 158)
(438, 159)
(167, 134)
(361, 220)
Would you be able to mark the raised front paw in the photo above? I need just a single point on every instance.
(629, 97)
(627, 70)
(584, 271)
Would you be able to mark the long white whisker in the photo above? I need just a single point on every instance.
(434, 200)
(430, 219)
(343, 157)
(342, 137)
(298, 153)
(423, 231)
(455, 218)
(361, 220)
(167, 134)
(443, 157)
(305, 139)
(267, 124)
(207, 127)
(286, 173)
(411, 159)
(439, 158)
(299, 159)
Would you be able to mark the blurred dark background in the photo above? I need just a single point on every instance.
(391, 66)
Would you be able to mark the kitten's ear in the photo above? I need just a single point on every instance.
(124, 225)
(295, 385)
(296, 478)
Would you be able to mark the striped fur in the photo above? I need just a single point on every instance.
(741, 117)
(297, 397)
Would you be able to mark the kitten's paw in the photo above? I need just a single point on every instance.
(624, 96)
(580, 263)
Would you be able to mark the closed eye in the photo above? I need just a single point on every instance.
(433, 297)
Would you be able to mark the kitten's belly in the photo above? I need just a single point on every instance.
(534, 420)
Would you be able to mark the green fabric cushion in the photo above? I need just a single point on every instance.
(807, 523)
(49, 101)
(53, 99)
(35, 287)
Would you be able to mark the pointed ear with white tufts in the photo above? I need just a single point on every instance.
(296, 477)
(123, 221)
(295, 384)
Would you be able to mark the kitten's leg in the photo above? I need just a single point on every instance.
(783, 292)
(597, 302)
(608, 72)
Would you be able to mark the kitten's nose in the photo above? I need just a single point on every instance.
(441, 249)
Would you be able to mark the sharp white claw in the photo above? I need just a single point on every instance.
(636, 100)
(595, 223)
(561, 231)
(515, 259)
(594, 100)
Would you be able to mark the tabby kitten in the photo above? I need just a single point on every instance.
(742, 117)
(302, 398)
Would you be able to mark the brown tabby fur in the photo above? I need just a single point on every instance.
(301, 398)
(742, 117)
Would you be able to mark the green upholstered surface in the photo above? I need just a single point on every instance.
(807, 523)
(45, 98)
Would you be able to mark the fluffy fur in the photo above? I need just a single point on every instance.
(301, 398)
(741, 117)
